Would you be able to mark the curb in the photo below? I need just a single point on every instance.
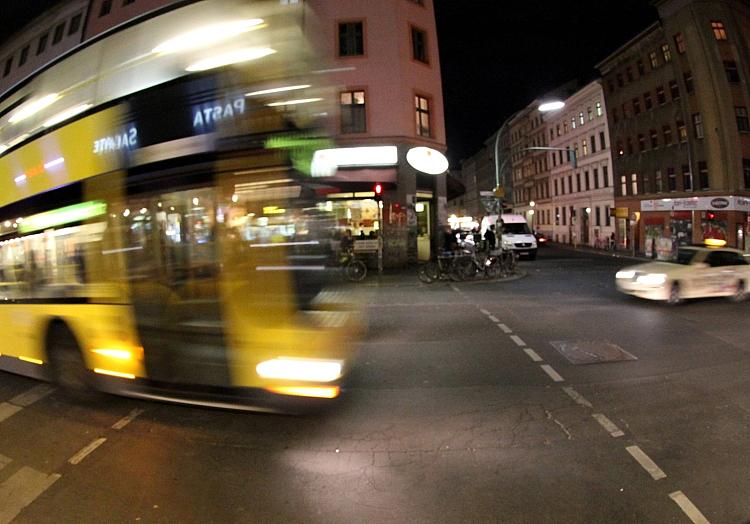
(593, 251)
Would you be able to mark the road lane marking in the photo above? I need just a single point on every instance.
(533, 355)
(505, 328)
(454, 288)
(554, 375)
(608, 425)
(518, 340)
(4, 461)
(8, 410)
(85, 452)
(22, 489)
(577, 397)
(127, 419)
(646, 462)
(688, 507)
(34, 394)
(484, 311)
(493, 318)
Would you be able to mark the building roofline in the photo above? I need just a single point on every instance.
(606, 62)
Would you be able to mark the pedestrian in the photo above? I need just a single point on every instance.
(489, 237)
(449, 239)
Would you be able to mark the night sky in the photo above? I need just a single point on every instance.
(496, 56)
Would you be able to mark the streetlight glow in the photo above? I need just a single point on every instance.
(551, 106)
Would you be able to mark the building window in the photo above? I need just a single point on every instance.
(593, 144)
(661, 99)
(419, 45)
(615, 115)
(679, 42)
(611, 86)
(598, 216)
(418, 2)
(8, 65)
(596, 178)
(607, 216)
(687, 178)
(742, 121)
(620, 82)
(623, 185)
(746, 172)
(733, 75)
(681, 131)
(605, 176)
(422, 106)
(590, 113)
(585, 146)
(658, 182)
(637, 106)
(620, 148)
(629, 143)
(351, 39)
(353, 112)
(586, 180)
(602, 145)
(648, 102)
(667, 132)
(24, 56)
(720, 32)
(641, 68)
(653, 59)
(688, 77)
(629, 73)
(573, 122)
(75, 24)
(666, 53)
(556, 188)
(570, 183)
(641, 143)
(625, 111)
(127, 2)
(581, 119)
(654, 135)
(703, 175)
(674, 90)
(671, 179)
(59, 32)
(599, 111)
(105, 8)
(698, 125)
(42, 45)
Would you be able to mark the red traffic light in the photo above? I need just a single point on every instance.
(710, 215)
(378, 190)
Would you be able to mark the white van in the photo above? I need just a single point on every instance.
(516, 234)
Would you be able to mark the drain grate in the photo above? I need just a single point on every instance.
(581, 352)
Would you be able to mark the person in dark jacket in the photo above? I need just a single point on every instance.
(489, 237)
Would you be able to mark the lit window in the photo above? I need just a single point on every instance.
(623, 185)
(666, 53)
(353, 112)
(422, 106)
(599, 111)
(573, 122)
(658, 181)
(585, 147)
(590, 113)
(351, 39)
(653, 59)
(698, 125)
(581, 119)
(419, 45)
(634, 183)
(681, 131)
(720, 32)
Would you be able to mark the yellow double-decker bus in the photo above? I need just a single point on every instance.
(161, 235)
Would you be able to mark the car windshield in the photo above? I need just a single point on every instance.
(685, 256)
(516, 228)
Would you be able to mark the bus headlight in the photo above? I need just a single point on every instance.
(655, 279)
(625, 274)
(313, 370)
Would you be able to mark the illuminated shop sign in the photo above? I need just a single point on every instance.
(122, 141)
(207, 115)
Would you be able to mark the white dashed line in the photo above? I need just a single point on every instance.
(646, 463)
(85, 452)
(577, 397)
(8, 410)
(533, 355)
(518, 340)
(28, 398)
(22, 489)
(454, 288)
(485, 312)
(554, 375)
(688, 507)
(505, 328)
(127, 420)
(493, 319)
(608, 425)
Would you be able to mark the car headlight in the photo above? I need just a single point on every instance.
(314, 370)
(625, 274)
(654, 279)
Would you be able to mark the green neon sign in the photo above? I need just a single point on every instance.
(64, 215)
(301, 147)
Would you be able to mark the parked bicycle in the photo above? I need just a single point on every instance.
(353, 268)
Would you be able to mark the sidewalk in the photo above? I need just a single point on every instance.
(623, 254)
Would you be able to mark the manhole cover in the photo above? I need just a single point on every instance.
(591, 351)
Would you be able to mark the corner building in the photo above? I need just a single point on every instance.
(677, 103)
(383, 59)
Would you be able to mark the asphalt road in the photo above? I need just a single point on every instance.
(461, 408)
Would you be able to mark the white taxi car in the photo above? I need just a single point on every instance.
(697, 272)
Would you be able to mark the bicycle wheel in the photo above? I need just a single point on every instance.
(424, 275)
(356, 271)
(466, 268)
(432, 270)
(494, 269)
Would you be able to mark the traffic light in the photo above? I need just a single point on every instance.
(710, 215)
(378, 190)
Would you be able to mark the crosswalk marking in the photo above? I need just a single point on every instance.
(22, 489)
(4, 461)
(29, 397)
(8, 410)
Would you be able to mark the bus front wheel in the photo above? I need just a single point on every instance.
(66, 361)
